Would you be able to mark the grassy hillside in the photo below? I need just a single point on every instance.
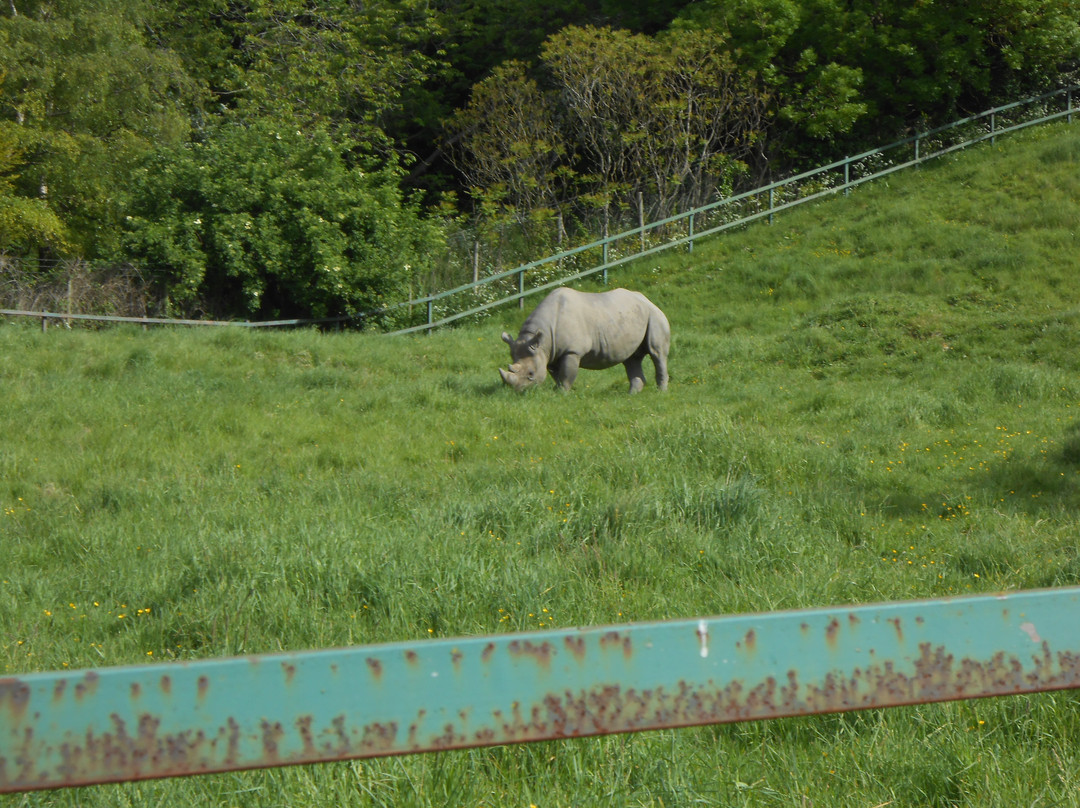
(875, 398)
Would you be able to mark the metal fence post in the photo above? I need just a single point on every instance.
(641, 217)
(847, 176)
(604, 260)
(690, 243)
(771, 205)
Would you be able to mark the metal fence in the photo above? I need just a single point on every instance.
(108, 725)
(739, 210)
(598, 257)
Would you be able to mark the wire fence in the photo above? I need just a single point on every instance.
(763, 203)
(74, 291)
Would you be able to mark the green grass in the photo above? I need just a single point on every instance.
(875, 398)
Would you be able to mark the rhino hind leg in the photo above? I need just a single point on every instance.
(657, 341)
(660, 363)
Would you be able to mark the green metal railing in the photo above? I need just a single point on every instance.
(683, 229)
(742, 209)
(114, 724)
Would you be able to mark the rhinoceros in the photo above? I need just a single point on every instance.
(571, 330)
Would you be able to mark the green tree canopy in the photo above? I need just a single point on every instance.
(624, 112)
(270, 221)
(358, 67)
(25, 224)
(874, 67)
(88, 95)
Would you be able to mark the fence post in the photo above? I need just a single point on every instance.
(690, 244)
(770, 205)
(1068, 104)
(430, 313)
(521, 289)
(847, 176)
(916, 148)
(641, 217)
(993, 129)
(604, 260)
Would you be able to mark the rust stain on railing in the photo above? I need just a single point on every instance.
(64, 729)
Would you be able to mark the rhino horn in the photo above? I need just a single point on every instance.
(507, 338)
(506, 377)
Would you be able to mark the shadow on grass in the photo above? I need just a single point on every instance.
(1035, 485)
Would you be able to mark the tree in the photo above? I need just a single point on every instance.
(810, 91)
(671, 116)
(713, 115)
(265, 221)
(510, 149)
(864, 70)
(339, 63)
(25, 224)
(937, 60)
(88, 96)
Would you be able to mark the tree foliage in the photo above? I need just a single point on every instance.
(359, 67)
(512, 150)
(89, 95)
(270, 221)
(25, 223)
(670, 116)
(874, 67)
(545, 111)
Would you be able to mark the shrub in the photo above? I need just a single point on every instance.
(260, 220)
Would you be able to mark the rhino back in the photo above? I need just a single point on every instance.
(603, 328)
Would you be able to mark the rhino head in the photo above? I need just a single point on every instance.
(528, 365)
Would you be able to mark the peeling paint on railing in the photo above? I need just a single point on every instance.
(113, 724)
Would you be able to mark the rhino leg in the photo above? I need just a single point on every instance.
(660, 363)
(565, 371)
(657, 342)
(635, 374)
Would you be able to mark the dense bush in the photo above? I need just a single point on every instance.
(270, 221)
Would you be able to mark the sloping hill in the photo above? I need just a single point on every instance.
(984, 239)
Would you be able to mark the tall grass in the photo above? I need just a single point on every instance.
(874, 399)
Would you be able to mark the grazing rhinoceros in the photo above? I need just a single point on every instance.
(571, 329)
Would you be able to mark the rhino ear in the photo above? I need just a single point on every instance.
(507, 338)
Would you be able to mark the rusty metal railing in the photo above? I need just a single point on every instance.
(79, 727)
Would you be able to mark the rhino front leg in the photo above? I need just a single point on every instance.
(565, 371)
(636, 374)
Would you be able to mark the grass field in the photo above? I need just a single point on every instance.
(875, 398)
